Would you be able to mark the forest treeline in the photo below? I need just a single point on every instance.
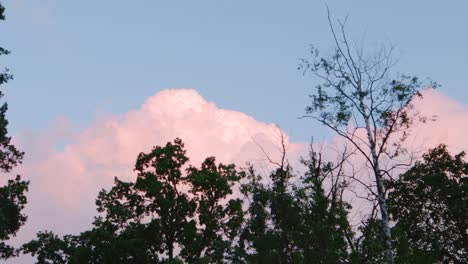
(219, 213)
(175, 215)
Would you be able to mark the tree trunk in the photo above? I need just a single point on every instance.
(384, 215)
(381, 195)
(170, 248)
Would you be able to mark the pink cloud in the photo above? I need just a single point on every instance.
(65, 182)
(450, 125)
(447, 123)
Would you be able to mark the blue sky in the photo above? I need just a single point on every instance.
(79, 59)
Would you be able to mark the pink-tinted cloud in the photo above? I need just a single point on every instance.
(447, 123)
(66, 180)
(450, 126)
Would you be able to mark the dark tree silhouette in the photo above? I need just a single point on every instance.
(166, 216)
(12, 195)
(296, 222)
(429, 202)
(358, 94)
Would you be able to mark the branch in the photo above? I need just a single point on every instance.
(341, 133)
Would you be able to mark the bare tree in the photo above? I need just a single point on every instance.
(359, 101)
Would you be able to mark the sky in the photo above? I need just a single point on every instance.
(97, 82)
(79, 59)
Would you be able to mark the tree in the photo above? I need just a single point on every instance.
(297, 222)
(357, 95)
(12, 195)
(166, 216)
(272, 216)
(219, 218)
(429, 202)
(369, 246)
(49, 248)
(325, 232)
(273, 219)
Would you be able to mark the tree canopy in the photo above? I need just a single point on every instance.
(12, 195)
(168, 215)
(359, 99)
(429, 202)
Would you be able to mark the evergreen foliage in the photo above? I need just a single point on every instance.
(12, 195)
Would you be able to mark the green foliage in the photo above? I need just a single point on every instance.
(49, 247)
(9, 155)
(359, 93)
(166, 216)
(369, 246)
(324, 227)
(12, 201)
(272, 219)
(430, 204)
(355, 93)
(211, 185)
(178, 214)
(170, 216)
(154, 198)
(296, 223)
(12, 195)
